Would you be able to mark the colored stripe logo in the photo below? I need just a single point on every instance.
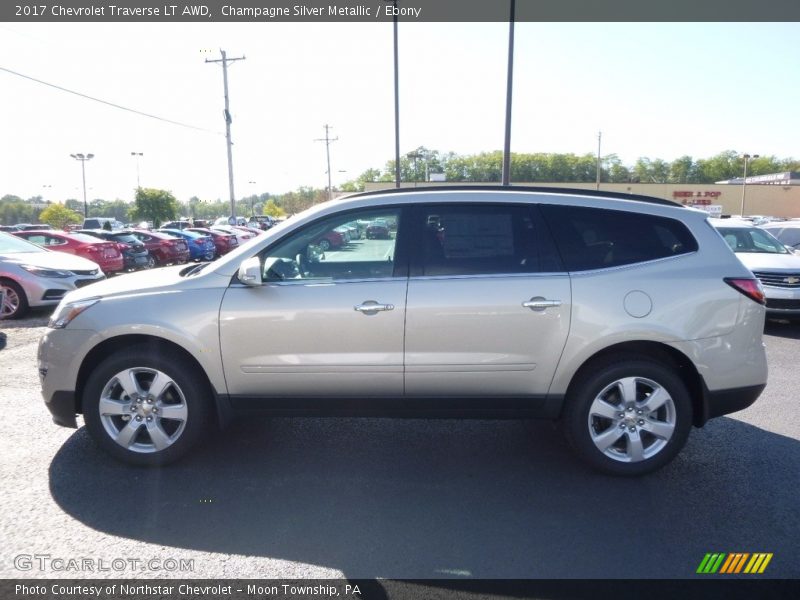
(733, 563)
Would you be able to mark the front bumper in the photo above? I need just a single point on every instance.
(782, 301)
(62, 406)
(59, 358)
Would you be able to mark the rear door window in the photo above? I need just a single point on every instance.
(595, 238)
(475, 239)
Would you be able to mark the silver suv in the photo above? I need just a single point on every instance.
(628, 319)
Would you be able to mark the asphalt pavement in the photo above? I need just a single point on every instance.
(366, 498)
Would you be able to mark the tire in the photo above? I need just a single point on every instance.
(151, 262)
(131, 424)
(608, 423)
(15, 302)
(324, 245)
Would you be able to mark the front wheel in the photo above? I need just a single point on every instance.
(628, 417)
(15, 302)
(144, 407)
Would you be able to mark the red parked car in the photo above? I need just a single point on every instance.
(378, 229)
(223, 242)
(164, 248)
(330, 240)
(106, 254)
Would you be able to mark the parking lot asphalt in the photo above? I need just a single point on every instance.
(303, 498)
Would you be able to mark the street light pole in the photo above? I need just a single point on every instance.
(746, 158)
(599, 138)
(83, 159)
(137, 155)
(414, 156)
(506, 175)
(252, 199)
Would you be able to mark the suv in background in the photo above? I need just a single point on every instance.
(262, 222)
(628, 319)
(102, 223)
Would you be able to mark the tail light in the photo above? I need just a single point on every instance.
(749, 287)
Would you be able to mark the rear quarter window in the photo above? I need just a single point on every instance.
(596, 238)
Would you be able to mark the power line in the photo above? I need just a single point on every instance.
(138, 112)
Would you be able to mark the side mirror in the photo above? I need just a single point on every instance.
(250, 272)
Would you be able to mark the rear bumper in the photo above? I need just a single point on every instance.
(723, 402)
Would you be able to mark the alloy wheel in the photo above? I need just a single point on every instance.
(632, 419)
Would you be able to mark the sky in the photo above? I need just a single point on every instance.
(659, 90)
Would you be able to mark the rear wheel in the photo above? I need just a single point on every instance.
(145, 408)
(628, 417)
(15, 302)
(324, 245)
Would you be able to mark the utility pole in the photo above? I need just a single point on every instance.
(396, 99)
(599, 137)
(227, 114)
(328, 141)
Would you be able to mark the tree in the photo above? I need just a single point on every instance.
(682, 170)
(273, 210)
(59, 216)
(154, 205)
(725, 165)
(358, 184)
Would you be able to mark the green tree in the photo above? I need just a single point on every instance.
(682, 170)
(358, 184)
(155, 205)
(725, 165)
(273, 210)
(59, 216)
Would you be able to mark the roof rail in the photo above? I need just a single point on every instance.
(518, 188)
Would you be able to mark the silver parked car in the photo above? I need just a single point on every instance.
(775, 266)
(626, 318)
(787, 232)
(33, 276)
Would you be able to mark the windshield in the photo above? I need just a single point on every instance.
(10, 244)
(751, 239)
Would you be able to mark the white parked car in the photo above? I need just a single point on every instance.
(240, 235)
(33, 276)
(775, 266)
(787, 232)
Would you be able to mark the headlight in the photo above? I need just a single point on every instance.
(67, 311)
(43, 272)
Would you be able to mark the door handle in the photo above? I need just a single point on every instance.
(370, 307)
(539, 304)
